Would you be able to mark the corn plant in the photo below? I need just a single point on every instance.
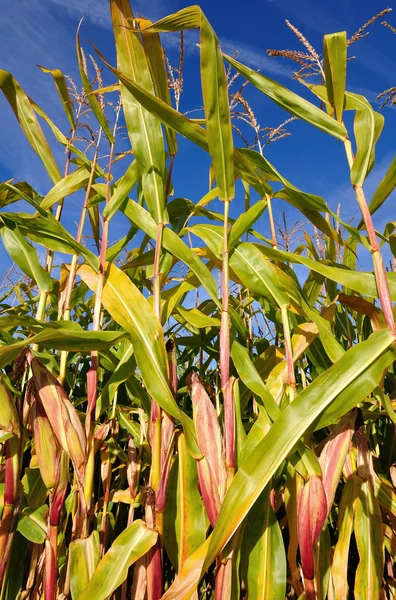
(243, 448)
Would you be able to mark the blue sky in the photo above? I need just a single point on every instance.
(43, 31)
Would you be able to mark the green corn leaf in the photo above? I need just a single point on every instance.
(84, 558)
(155, 57)
(184, 519)
(173, 244)
(27, 119)
(122, 189)
(181, 124)
(198, 319)
(47, 231)
(92, 99)
(361, 282)
(322, 564)
(335, 59)
(62, 139)
(288, 100)
(257, 274)
(63, 339)
(25, 256)
(65, 187)
(61, 86)
(367, 127)
(214, 91)
(130, 309)
(32, 524)
(245, 221)
(263, 552)
(309, 204)
(370, 544)
(112, 570)
(260, 465)
(287, 429)
(123, 370)
(144, 130)
(251, 378)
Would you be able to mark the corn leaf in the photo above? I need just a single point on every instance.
(144, 130)
(84, 558)
(370, 544)
(251, 378)
(260, 465)
(367, 128)
(122, 189)
(32, 524)
(173, 244)
(335, 59)
(112, 570)
(27, 119)
(288, 100)
(384, 190)
(263, 552)
(214, 91)
(65, 187)
(184, 518)
(155, 57)
(245, 221)
(61, 86)
(130, 309)
(25, 256)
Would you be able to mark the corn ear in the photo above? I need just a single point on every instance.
(61, 414)
(212, 474)
(311, 515)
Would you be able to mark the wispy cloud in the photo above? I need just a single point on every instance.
(254, 57)
(97, 11)
(40, 38)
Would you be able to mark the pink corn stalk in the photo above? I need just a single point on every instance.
(311, 516)
(229, 427)
(167, 430)
(132, 474)
(57, 499)
(10, 423)
(212, 474)
(154, 555)
(223, 586)
(105, 473)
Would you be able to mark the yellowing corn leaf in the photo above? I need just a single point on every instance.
(345, 527)
(84, 558)
(135, 541)
(130, 309)
(9, 420)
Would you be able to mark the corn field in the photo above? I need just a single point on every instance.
(181, 415)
